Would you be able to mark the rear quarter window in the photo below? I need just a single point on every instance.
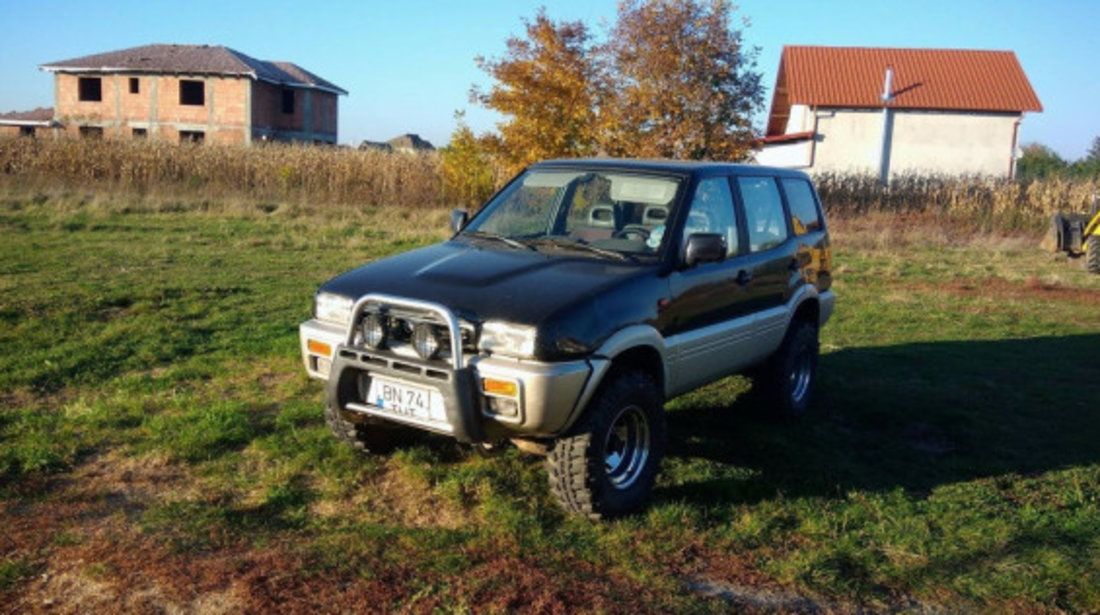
(805, 216)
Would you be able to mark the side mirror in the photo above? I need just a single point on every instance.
(704, 248)
(459, 218)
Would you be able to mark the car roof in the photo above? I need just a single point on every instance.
(679, 167)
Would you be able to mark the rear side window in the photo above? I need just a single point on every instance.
(763, 212)
(805, 217)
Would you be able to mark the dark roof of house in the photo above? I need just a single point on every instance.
(939, 79)
(376, 145)
(195, 59)
(39, 115)
(410, 141)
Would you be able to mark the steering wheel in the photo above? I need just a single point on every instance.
(632, 229)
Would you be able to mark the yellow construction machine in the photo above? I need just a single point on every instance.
(1079, 235)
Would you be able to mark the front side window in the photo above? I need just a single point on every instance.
(767, 224)
(593, 211)
(712, 212)
(192, 92)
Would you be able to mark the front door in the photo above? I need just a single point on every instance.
(710, 315)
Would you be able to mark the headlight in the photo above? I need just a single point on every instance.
(375, 329)
(507, 339)
(426, 340)
(332, 308)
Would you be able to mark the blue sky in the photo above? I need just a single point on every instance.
(409, 65)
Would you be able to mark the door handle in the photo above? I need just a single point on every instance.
(744, 277)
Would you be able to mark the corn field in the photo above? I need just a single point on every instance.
(990, 203)
(280, 173)
(340, 177)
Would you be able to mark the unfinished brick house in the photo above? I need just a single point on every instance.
(35, 123)
(197, 93)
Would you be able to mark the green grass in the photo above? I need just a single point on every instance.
(951, 460)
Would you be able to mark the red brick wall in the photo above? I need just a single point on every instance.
(324, 112)
(222, 116)
(267, 110)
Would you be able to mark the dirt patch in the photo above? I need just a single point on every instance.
(400, 496)
(120, 478)
(747, 599)
(1031, 289)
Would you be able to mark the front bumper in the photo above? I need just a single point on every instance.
(548, 395)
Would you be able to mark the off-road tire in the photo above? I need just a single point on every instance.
(367, 437)
(1092, 254)
(1054, 237)
(787, 380)
(578, 464)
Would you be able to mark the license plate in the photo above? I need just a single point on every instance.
(401, 399)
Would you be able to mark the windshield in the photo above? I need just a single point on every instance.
(604, 214)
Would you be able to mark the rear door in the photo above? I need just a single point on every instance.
(772, 250)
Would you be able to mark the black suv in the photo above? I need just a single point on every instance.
(564, 313)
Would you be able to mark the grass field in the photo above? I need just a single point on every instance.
(161, 448)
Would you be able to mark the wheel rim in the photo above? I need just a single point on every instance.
(626, 448)
(801, 375)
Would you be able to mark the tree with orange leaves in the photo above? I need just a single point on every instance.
(672, 81)
(546, 88)
(685, 86)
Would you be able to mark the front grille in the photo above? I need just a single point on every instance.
(369, 360)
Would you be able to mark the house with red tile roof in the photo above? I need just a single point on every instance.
(192, 93)
(888, 111)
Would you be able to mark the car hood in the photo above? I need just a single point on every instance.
(480, 283)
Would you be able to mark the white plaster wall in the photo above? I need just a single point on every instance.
(922, 142)
(849, 141)
(800, 120)
(953, 143)
(787, 155)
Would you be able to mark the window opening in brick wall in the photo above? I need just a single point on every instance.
(90, 89)
(288, 101)
(192, 92)
(140, 133)
(26, 131)
(192, 136)
(135, 85)
(91, 132)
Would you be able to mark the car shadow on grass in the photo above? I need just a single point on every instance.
(911, 416)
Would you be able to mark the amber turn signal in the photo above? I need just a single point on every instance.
(319, 347)
(506, 388)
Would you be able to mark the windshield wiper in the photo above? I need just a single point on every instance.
(578, 245)
(501, 238)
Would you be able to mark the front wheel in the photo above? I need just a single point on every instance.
(606, 466)
(370, 437)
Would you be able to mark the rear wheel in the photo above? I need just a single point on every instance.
(607, 464)
(365, 437)
(1092, 254)
(788, 379)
